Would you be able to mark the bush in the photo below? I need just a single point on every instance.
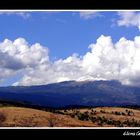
(72, 115)
(110, 122)
(86, 112)
(120, 113)
(112, 112)
(117, 123)
(83, 116)
(93, 119)
(129, 112)
(102, 111)
(123, 113)
(100, 123)
(117, 113)
(80, 116)
(65, 110)
(132, 123)
(93, 112)
(77, 112)
(126, 110)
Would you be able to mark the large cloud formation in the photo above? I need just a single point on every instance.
(105, 60)
(18, 56)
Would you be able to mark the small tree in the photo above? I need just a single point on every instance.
(123, 113)
(93, 119)
(117, 113)
(102, 111)
(126, 110)
(65, 110)
(93, 112)
(52, 120)
(129, 113)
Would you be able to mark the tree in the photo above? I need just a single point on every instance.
(52, 120)
(102, 111)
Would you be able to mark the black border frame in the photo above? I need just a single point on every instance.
(67, 5)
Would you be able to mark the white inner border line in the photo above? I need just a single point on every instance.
(66, 10)
(68, 127)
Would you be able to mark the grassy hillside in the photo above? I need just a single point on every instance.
(24, 117)
(93, 117)
(107, 116)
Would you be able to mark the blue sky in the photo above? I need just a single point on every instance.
(63, 33)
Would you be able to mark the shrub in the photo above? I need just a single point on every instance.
(93, 119)
(72, 115)
(80, 116)
(65, 110)
(100, 123)
(123, 113)
(117, 113)
(93, 112)
(110, 121)
(102, 111)
(77, 112)
(112, 112)
(83, 116)
(130, 113)
(86, 112)
(132, 123)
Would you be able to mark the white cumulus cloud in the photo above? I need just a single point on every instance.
(129, 18)
(89, 14)
(18, 56)
(105, 60)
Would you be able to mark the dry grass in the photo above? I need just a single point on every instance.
(24, 117)
(101, 115)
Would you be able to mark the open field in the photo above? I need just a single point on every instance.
(90, 117)
(107, 116)
(24, 117)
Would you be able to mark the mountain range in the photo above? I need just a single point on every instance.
(84, 93)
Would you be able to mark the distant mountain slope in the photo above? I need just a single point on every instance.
(88, 93)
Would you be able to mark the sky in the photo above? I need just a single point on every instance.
(42, 47)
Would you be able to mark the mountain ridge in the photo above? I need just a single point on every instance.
(88, 93)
